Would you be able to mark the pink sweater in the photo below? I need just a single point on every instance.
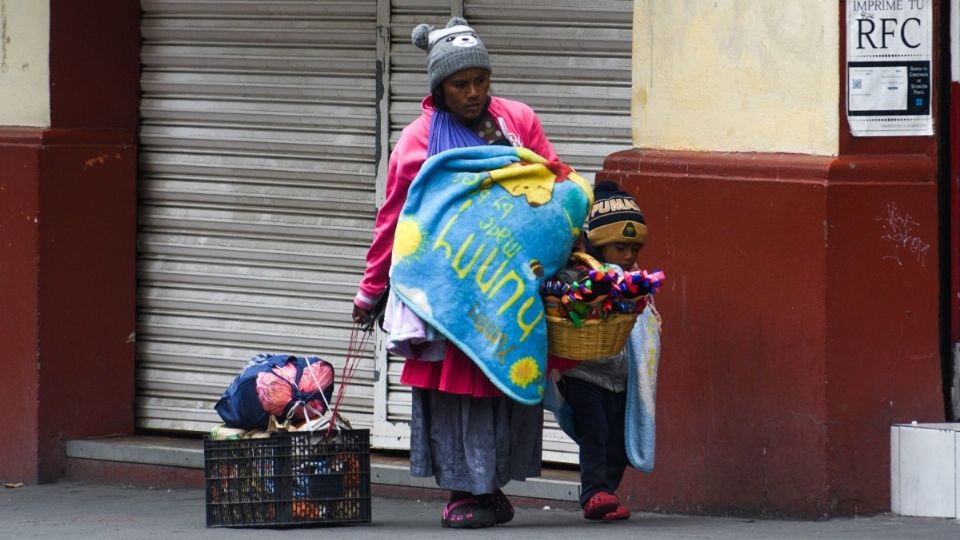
(405, 161)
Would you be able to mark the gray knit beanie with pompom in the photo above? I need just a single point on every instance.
(450, 49)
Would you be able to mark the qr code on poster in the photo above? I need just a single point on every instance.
(857, 84)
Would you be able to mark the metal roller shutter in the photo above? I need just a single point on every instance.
(406, 81)
(257, 190)
(259, 161)
(570, 61)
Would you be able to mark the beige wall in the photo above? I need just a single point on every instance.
(25, 63)
(736, 75)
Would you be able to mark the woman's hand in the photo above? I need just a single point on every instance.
(360, 315)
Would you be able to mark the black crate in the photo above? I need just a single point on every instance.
(289, 479)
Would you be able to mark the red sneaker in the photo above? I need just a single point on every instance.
(600, 504)
(620, 514)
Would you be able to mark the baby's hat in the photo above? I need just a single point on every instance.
(615, 217)
(450, 49)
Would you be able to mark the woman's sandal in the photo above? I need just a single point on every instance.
(467, 514)
(500, 504)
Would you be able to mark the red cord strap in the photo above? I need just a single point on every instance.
(356, 346)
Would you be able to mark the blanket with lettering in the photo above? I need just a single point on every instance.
(480, 229)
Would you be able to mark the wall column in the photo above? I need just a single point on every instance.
(68, 217)
(801, 304)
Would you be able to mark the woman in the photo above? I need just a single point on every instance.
(463, 430)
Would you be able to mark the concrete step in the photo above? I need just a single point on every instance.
(386, 470)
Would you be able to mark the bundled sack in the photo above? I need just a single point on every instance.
(277, 385)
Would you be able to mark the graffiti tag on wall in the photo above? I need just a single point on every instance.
(898, 230)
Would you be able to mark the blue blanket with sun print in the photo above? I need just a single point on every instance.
(481, 228)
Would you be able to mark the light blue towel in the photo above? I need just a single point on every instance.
(473, 242)
(643, 352)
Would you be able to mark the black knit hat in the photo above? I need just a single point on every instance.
(615, 217)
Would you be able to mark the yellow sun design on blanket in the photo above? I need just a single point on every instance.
(407, 239)
(524, 371)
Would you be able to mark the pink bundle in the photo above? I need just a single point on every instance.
(278, 387)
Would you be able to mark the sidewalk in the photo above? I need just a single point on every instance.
(70, 509)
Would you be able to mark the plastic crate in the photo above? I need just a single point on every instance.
(289, 479)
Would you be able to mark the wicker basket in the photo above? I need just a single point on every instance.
(596, 339)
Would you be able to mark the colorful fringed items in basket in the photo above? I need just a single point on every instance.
(591, 307)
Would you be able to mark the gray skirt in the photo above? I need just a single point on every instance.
(474, 444)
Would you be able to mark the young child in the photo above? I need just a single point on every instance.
(596, 390)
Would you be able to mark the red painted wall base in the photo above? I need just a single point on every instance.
(799, 323)
(19, 325)
(69, 253)
(68, 245)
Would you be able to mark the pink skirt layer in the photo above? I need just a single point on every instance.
(457, 374)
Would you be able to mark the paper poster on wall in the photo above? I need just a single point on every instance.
(889, 53)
